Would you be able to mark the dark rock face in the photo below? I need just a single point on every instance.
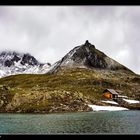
(15, 58)
(87, 55)
(7, 59)
(8, 63)
(28, 59)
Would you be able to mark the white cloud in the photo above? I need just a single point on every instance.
(49, 32)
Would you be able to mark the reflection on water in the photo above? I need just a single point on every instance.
(124, 122)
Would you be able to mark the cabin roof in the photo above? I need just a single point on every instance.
(111, 91)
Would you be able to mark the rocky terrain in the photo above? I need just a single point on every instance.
(70, 85)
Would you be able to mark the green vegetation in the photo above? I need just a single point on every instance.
(68, 90)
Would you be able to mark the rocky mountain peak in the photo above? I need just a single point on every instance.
(12, 63)
(87, 44)
(9, 58)
(87, 56)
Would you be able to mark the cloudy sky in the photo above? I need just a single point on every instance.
(49, 32)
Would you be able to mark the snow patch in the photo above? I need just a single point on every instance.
(87, 49)
(70, 54)
(23, 69)
(106, 108)
(131, 101)
(121, 96)
(68, 61)
(111, 102)
(2, 73)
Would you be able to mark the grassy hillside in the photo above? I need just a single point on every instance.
(67, 90)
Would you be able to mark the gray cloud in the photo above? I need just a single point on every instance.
(49, 32)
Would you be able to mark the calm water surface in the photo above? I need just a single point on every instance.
(124, 122)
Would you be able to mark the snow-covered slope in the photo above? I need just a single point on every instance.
(12, 63)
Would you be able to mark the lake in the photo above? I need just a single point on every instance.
(114, 122)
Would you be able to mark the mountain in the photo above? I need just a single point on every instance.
(87, 56)
(12, 63)
(83, 56)
(70, 85)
